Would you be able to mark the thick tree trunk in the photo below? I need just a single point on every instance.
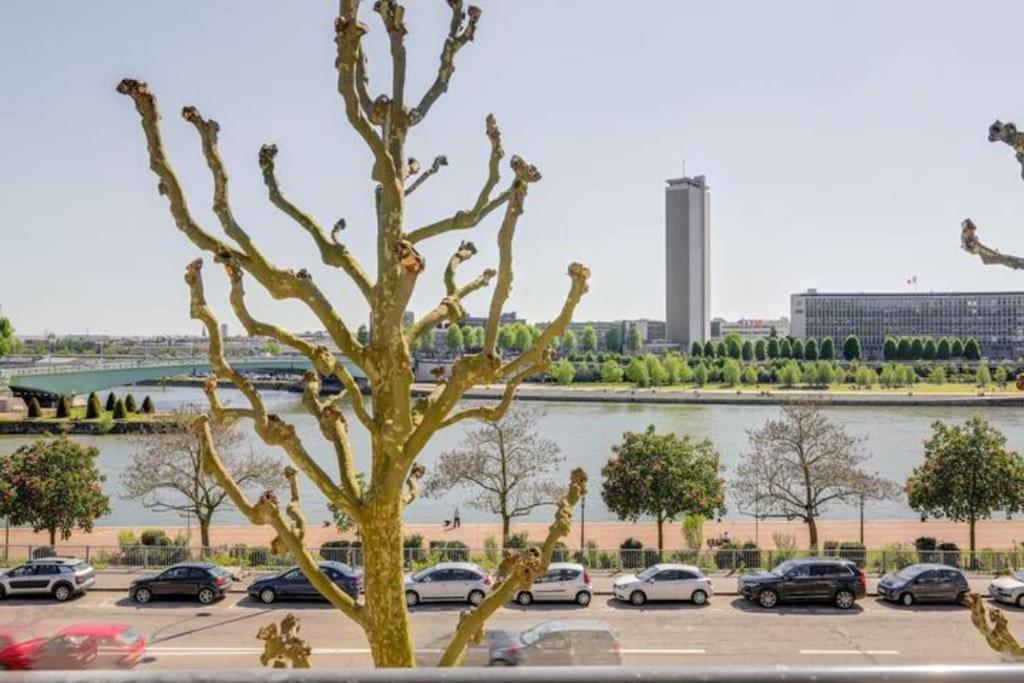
(661, 535)
(506, 529)
(387, 619)
(204, 532)
(53, 537)
(971, 521)
(812, 528)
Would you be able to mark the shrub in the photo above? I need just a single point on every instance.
(518, 541)
(948, 553)
(491, 548)
(63, 408)
(896, 556)
(349, 552)
(785, 546)
(111, 402)
(611, 372)
(414, 551)
(154, 537)
(450, 551)
(853, 551)
(43, 551)
(147, 406)
(130, 405)
(120, 412)
(630, 551)
(93, 409)
(926, 546)
(127, 538)
(693, 531)
(34, 409)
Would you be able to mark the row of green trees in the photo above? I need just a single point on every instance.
(118, 408)
(672, 369)
(926, 348)
(771, 348)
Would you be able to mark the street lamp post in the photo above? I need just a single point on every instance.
(583, 523)
(862, 519)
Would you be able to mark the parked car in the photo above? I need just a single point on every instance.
(812, 579)
(565, 581)
(204, 581)
(57, 653)
(292, 583)
(568, 642)
(1008, 589)
(924, 583)
(448, 581)
(61, 577)
(664, 582)
(118, 645)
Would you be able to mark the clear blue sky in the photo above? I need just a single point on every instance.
(843, 143)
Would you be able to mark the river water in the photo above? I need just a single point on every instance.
(584, 431)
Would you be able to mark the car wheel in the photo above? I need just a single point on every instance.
(412, 598)
(524, 598)
(961, 598)
(583, 598)
(845, 599)
(3, 593)
(475, 597)
(638, 598)
(62, 592)
(907, 599)
(699, 597)
(1020, 601)
(267, 596)
(500, 662)
(142, 595)
(768, 598)
(206, 595)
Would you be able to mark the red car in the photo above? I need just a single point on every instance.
(119, 645)
(59, 652)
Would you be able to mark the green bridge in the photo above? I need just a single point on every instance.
(72, 380)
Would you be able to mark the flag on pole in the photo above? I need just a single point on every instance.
(912, 280)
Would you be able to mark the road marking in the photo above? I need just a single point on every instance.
(849, 652)
(626, 651)
(228, 650)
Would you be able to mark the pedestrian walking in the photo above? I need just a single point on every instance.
(456, 519)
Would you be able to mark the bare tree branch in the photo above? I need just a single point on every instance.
(332, 252)
(517, 572)
(460, 32)
(439, 161)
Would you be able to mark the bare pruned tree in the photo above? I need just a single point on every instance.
(1006, 133)
(399, 427)
(506, 464)
(165, 472)
(796, 466)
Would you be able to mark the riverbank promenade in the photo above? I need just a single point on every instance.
(999, 534)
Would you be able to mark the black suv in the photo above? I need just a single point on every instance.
(204, 581)
(817, 579)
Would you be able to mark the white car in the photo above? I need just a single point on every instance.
(61, 577)
(664, 582)
(1008, 589)
(566, 581)
(448, 582)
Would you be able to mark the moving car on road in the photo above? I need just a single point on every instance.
(567, 642)
(565, 581)
(924, 583)
(61, 577)
(59, 652)
(203, 581)
(118, 645)
(292, 584)
(812, 579)
(664, 582)
(1008, 589)
(448, 581)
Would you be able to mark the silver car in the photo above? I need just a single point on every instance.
(564, 581)
(448, 582)
(664, 582)
(61, 577)
(1008, 589)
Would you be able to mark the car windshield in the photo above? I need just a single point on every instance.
(908, 573)
(534, 634)
(418, 576)
(647, 573)
(784, 568)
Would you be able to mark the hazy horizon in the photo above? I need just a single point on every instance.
(843, 145)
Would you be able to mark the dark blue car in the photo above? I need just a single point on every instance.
(292, 584)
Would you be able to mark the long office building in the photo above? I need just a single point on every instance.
(688, 260)
(995, 319)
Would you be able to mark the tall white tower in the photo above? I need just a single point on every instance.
(688, 260)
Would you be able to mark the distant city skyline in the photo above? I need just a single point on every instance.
(844, 142)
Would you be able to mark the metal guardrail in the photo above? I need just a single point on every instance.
(721, 562)
(573, 674)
